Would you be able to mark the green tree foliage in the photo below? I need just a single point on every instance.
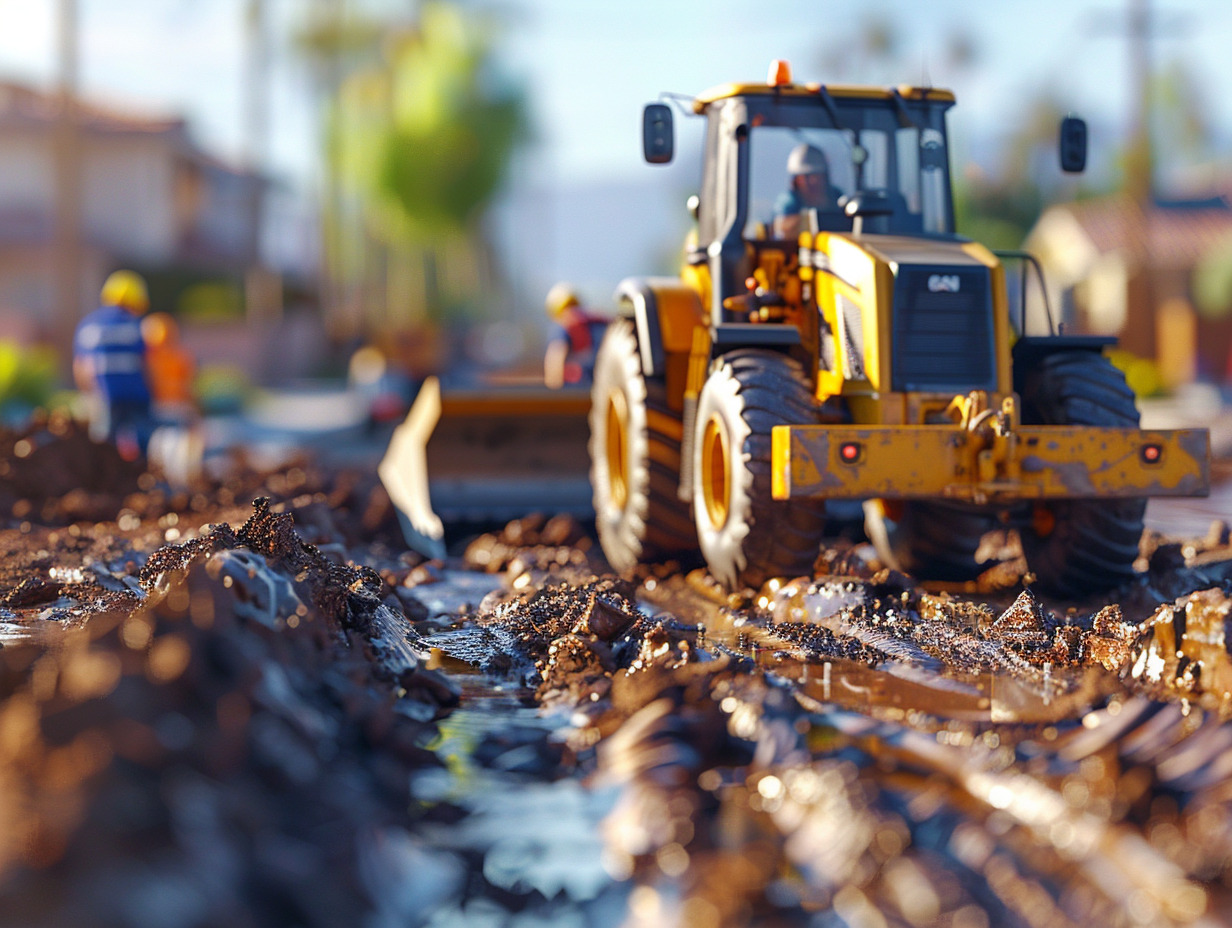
(421, 138)
(1181, 129)
(28, 377)
(1212, 283)
(999, 207)
(426, 135)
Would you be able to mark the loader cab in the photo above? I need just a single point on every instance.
(886, 153)
(890, 150)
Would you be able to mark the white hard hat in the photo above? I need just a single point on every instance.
(807, 159)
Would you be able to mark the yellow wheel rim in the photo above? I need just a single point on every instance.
(716, 472)
(617, 448)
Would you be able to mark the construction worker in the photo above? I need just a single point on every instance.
(809, 171)
(570, 356)
(109, 364)
(170, 369)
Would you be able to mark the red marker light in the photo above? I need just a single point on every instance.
(750, 283)
(849, 451)
(1152, 454)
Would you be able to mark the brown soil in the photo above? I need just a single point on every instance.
(230, 704)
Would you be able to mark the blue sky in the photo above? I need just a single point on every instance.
(593, 65)
(589, 66)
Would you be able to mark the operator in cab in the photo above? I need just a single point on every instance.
(809, 171)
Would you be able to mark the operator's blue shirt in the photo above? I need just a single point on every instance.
(110, 337)
(789, 202)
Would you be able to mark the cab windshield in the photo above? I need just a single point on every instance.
(802, 168)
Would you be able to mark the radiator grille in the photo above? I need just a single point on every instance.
(943, 332)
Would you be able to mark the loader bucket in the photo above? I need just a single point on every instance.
(487, 455)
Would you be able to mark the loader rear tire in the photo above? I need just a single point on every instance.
(1078, 547)
(635, 458)
(745, 535)
(938, 541)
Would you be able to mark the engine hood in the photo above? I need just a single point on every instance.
(898, 250)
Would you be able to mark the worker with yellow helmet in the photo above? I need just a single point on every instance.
(572, 345)
(109, 364)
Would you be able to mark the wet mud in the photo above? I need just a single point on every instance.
(246, 703)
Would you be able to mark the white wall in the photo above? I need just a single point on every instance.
(27, 171)
(129, 196)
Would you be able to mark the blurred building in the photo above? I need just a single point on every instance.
(1114, 268)
(152, 200)
(149, 198)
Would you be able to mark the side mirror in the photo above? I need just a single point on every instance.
(657, 136)
(1073, 145)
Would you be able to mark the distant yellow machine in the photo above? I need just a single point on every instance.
(834, 338)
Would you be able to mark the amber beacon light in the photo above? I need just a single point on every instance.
(780, 73)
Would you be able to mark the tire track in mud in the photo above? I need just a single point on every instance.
(862, 747)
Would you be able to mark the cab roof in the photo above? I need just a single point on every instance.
(837, 91)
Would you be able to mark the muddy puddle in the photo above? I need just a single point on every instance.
(537, 834)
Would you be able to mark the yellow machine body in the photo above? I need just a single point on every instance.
(914, 444)
(832, 337)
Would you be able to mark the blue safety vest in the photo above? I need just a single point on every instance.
(110, 337)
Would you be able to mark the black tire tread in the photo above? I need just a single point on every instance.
(784, 537)
(667, 529)
(939, 541)
(1094, 543)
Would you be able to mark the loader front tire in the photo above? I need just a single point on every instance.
(635, 458)
(1078, 547)
(745, 535)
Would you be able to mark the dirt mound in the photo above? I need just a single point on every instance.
(201, 747)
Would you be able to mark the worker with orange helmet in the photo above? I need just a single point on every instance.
(109, 364)
(570, 356)
(170, 369)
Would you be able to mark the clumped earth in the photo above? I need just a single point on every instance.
(245, 703)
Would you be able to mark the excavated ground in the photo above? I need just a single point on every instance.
(244, 703)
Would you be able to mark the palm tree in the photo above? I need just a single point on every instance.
(421, 141)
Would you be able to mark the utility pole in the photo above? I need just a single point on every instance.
(1140, 324)
(262, 285)
(66, 261)
(256, 119)
(1139, 161)
(1153, 317)
(340, 298)
(1148, 329)
(1139, 25)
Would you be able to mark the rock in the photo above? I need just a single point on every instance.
(1184, 647)
(1110, 639)
(605, 618)
(1023, 626)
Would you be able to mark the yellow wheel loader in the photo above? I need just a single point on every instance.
(834, 339)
